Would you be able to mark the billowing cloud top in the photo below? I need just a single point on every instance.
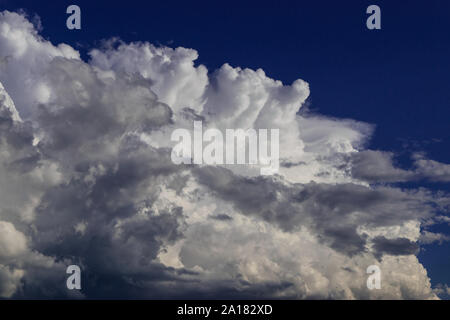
(87, 179)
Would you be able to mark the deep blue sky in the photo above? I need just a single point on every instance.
(397, 78)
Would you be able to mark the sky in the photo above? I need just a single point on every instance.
(392, 83)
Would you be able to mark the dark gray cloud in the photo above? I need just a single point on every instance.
(335, 212)
(379, 167)
(395, 247)
(221, 217)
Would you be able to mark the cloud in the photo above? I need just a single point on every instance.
(442, 290)
(27, 55)
(428, 237)
(87, 179)
(395, 247)
(432, 170)
(379, 167)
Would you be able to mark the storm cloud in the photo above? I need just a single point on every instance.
(87, 179)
